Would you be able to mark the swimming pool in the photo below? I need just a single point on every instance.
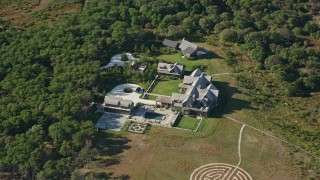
(154, 116)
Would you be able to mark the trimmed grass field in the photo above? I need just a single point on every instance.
(150, 97)
(188, 123)
(191, 64)
(167, 87)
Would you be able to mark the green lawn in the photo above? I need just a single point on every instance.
(190, 64)
(188, 123)
(167, 87)
(150, 97)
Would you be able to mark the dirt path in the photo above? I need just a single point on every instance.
(42, 5)
(219, 74)
(239, 144)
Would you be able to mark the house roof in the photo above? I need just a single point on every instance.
(126, 103)
(164, 65)
(117, 101)
(177, 68)
(213, 89)
(189, 50)
(112, 100)
(169, 43)
(196, 72)
(179, 97)
(170, 68)
(164, 99)
(185, 44)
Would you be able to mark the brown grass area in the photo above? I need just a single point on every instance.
(131, 163)
(24, 18)
(165, 153)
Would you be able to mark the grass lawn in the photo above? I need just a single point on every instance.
(191, 64)
(167, 87)
(150, 97)
(188, 123)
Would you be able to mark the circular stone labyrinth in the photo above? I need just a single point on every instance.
(220, 171)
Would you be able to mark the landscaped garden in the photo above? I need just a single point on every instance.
(167, 86)
(188, 123)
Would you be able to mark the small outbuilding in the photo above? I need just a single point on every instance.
(175, 70)
(170, 43)
(118, 105)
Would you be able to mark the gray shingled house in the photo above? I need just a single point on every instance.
(118, 105)
(198, 95)
(189, 49)
(170, 70)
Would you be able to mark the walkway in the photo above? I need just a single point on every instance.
(239, 144)
(222, 74)
(116, 60)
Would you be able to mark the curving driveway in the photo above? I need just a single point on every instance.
(116, 60)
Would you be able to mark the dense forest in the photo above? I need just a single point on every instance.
(49, 72)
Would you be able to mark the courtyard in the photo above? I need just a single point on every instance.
(134, 96)
(167, 86)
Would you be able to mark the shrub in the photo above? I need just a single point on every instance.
(127, 90)
(124, 56)
(229, 35)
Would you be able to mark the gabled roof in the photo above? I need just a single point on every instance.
(117, 101)
(188, 100)
(184, 44)
(112, 100)
(171, 68)
(164, 65)
(201, 81)
(179, 97)
(213, 89)
(196, 72)
(169, 43)
(189, 79)
(189, 50)
(126, 103)
(192, 91)
(177, 68)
